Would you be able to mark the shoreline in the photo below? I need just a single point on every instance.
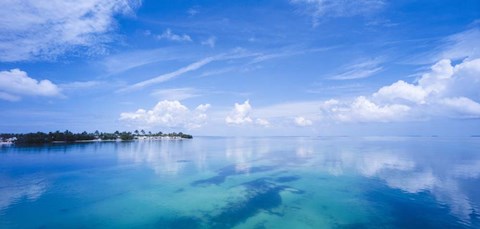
(142, 138)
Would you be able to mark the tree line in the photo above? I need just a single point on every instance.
(68, 136)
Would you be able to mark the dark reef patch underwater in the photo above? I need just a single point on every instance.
(262, 194)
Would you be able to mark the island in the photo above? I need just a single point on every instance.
(70, 137)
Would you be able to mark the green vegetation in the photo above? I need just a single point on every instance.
(67, 136)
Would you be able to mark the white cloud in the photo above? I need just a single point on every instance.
(80, 85)
(445, 91)
(235, 54)
(34, 29)
(319, 9)
(302, 121)
(402, 90)
(126, 61)
(262, 122)
(447, 88)
(461, 45)
(169, 35)
(356, 74)
(176, 93)
(287, 52)
(168, 114)
(211, 41)
(456, 47)
(462, 106)
(240, 114)
(291, 110)
(192, 11)
(363, 110)
(9, 97)
(16, 83)
(436, 80)
(168, 76)
(358, 71)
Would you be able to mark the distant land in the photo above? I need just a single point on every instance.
(70, 137)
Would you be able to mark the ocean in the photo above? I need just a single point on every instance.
(244, 182)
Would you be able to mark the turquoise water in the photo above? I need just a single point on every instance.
(278, 182)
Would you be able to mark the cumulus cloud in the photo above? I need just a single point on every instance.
(240, 114)
(302, 121)
(401, 90)
(169, 35)
(462, 106)
(168, 114)
(9, 97)
(34, 29)
(446, 90)
(262, 122)
(318, 9)
(361, 109)
(450, 88)
(16, 83)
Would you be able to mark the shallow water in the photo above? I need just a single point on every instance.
(278, 182)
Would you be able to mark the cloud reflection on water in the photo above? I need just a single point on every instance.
(403, 167)
(19, 189)
(408, 171)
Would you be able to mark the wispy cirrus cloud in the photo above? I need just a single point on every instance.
(118, 63)
(457, 46)
(46, 29)
(235, 54)
(357, 71)
(461, 45)
(176, 93)
(288, 52)
(193, 11)
(80, 85)
(168, 76)
(211, 41)
(319, 9)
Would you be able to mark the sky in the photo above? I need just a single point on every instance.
(241, 68)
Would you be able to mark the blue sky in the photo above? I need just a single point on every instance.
(298, 67)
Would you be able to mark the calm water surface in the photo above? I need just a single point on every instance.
(208, 182)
